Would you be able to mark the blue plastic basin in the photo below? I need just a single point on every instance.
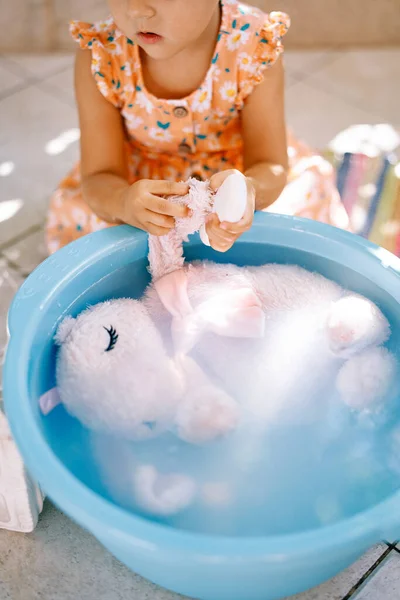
(112, 263)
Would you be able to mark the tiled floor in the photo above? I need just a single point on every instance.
(326, 93)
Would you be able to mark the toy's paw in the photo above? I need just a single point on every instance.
(366, 378)
(163, 495)
(353, 324)
(208, 413)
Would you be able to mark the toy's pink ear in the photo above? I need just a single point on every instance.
(64, 330)
(49, 400)
(173, 293)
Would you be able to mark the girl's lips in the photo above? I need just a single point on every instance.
(149, 38)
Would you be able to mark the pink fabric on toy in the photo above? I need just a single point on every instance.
(234, 313)
(49, 400)
(173, 293)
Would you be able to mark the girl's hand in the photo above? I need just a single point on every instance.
(222, 236)
(143, 205)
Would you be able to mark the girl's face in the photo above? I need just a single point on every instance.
(163, 28)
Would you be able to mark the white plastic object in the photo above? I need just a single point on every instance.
(21, 500)
(230, 202)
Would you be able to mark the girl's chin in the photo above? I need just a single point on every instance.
(159, 51)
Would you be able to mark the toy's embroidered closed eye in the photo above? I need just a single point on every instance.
(113, 338)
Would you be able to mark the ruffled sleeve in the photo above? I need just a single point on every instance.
(107, 47)
(265, 50)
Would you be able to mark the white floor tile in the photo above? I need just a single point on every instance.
(28, 253)
(369, 79)
(384, 584)
(61, 561)
(41, 65)
(317, 116)
(290, 79)
(306, 62)
(29, 121)
(23, 203)
(8, 79)
(10, 281)
(339, 586)
(63, 84)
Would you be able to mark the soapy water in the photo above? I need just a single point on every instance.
(300, 459)
(257, 481)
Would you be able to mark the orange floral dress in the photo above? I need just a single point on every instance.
(198, 135)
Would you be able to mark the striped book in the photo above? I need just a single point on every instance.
(367, 163)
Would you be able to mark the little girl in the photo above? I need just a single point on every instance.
(172, 89)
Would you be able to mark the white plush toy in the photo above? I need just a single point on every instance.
(212, 346)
